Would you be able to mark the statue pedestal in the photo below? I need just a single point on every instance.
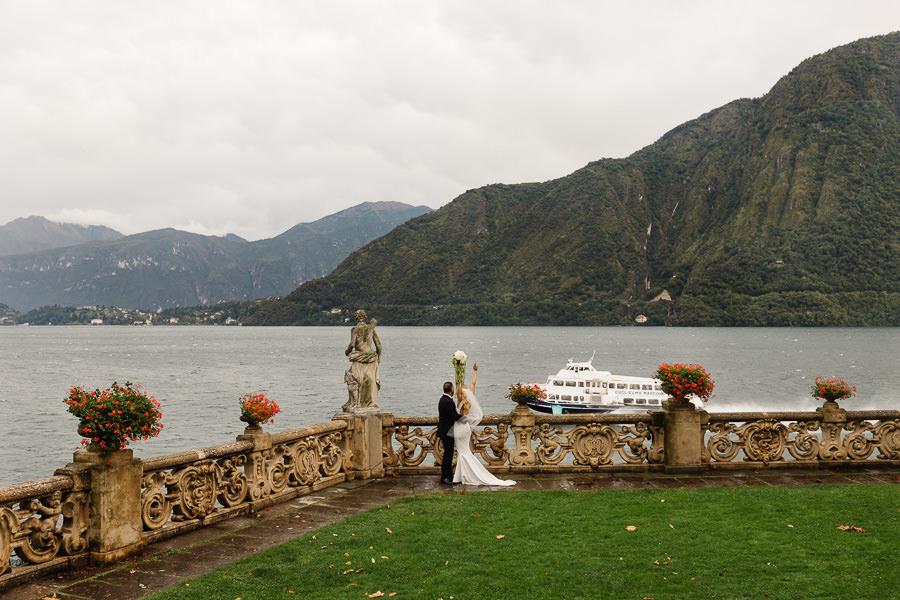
(363, 442)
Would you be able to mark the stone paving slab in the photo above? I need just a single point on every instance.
(178, 559)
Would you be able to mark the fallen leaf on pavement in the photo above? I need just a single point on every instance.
(631, 528)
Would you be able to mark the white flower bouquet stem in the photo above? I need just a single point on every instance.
(459, 365)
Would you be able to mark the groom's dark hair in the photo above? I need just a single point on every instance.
(448, 387)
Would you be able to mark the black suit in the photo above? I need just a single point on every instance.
(447, 416)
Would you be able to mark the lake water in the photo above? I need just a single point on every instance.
(199, 373)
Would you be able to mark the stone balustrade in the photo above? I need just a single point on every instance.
(102, 507)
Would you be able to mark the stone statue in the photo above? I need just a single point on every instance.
(364, 352)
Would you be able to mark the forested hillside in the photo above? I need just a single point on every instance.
(781, 210)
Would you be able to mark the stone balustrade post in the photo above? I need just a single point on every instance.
(114, 478)
(834, 418)
(523, 433)
(363, 442)
(259, 483)
(683, 437)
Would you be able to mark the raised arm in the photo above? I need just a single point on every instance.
(474, 377)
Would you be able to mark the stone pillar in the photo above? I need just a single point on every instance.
(256, 470)
(523, 431)
(363, 442)
(683, 438)
(115, 503)
(833, 420)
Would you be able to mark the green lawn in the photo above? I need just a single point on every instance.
(760, 542)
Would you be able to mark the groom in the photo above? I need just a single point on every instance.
(447, 416)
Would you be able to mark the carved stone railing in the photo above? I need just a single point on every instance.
(829, 435)
(102, 507)
(525, 442)
(42, 521)
(186, 490)
(671, 440)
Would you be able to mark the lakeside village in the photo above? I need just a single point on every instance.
(111, 315)
(220, 314)
(108, 315)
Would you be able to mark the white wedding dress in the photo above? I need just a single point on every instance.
(468, 468)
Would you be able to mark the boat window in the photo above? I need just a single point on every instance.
(634, 386)
(603, 385)
(629, 400)
(658, 387)
(621, 386)
(653, 401)
(570, 384)
(646, 387)
(640, 401)
(566, 398)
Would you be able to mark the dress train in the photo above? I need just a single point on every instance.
(469, 469)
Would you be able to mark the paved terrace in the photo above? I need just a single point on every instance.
(177, 560)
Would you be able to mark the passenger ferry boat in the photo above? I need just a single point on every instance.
(580, 388)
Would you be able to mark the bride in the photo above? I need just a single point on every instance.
(468, 469)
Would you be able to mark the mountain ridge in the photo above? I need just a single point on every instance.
(29, 234)
(168, 268)
(779, 210)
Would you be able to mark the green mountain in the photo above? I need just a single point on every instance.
(170, 268)
(781, 210)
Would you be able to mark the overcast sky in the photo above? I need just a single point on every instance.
(250, 117)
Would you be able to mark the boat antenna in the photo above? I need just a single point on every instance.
(592, 356)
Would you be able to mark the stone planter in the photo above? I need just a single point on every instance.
(521, 403)
(253, 425)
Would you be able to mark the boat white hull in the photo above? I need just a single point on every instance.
(574, 408)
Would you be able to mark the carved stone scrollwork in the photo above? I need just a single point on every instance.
(266, 472)
(888, 434)
(414, 445)
(194, 491)
(632, 448)
(76, 515)
(39, 538)
(764, 440)
(720, 446)
(303, 462)
(657, 454)
(434, 444)
(276, 469)
(857, 445)
(331, 455)
(830, 447)
(9, 525)
(805, 445)
(523, 435)
(388, 457)
(232, 482)
(156, 508)
(495, 441)
(553, 445)
(593, 444)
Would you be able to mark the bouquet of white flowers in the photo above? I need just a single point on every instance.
(459, 365)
